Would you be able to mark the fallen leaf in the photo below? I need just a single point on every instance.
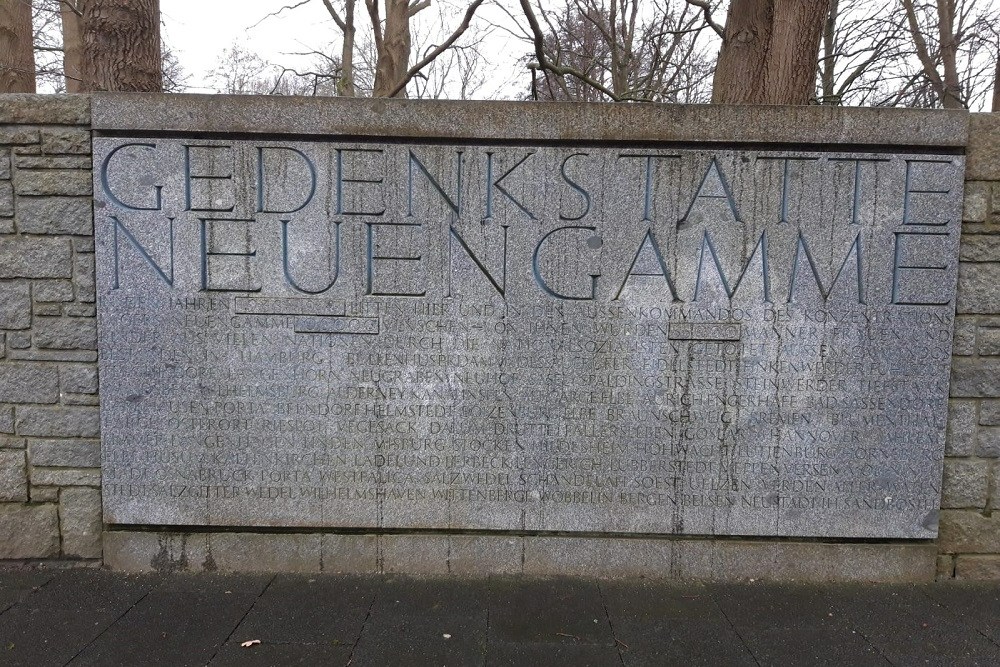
(447, 636)
(250, 643)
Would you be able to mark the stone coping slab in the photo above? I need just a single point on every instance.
(528, 121)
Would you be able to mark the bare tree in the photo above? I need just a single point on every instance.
(768, 53)
(954, 42)
(17, 60)
(863, 43)
(390, 23)
(622, 50)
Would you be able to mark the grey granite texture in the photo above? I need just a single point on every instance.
(523, 338)
(227, 114)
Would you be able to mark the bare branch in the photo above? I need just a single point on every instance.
(335, 15)
(707, 10)
(437, 51)
(558, 70)
(274, 13)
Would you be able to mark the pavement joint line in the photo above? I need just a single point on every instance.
(857, 630)
(364, 624)
(34, 590)
(236, 626)
(109, 626)
(607, 615)
(944, 605)
(735, 629)
(490, 591)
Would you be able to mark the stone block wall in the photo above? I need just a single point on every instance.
(50, 499)
(969, 539)
(50, 505)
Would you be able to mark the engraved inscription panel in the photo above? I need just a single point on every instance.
(548, 338)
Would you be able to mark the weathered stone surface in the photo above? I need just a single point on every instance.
(46, 309)
(975, 378)
(988, 341)
(65, 333)
(15, 305)
(24, 109)
(980, 248)
(78, 378)
(965, 483)
(51, 162)
(83, 277)
(962, 429)
(53, 355)
(527, 121)
(945, 568)
(74, 453)
(44, 494)
(988, 442)
(540, 556)
(18, 340)
(6, 419)
(55, 215)
(65, 140)
(5, 163)
(53, 182)
(7, 442)
(29, 383)
(80, 522)
(80, 310)
(18, 136)
(6, 199)
(989, 413)
(977, 291)
(968, 531)
(53, 290)
(547, 349)
(13, 476)
(983, 157)
(964, 342)
(58, 422)
(32, 257)
(28, 531)
(978, 568)
(65, 476)
(977, 194)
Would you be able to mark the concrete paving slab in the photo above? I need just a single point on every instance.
(423, 622)
(16, 586)
(268, 655)
(903, 623)
(677, 624)
(182, 622)
(554, 611)
(310, 610)
(52, 636)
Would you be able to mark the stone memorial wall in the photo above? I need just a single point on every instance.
(439, 337)
(628, 339)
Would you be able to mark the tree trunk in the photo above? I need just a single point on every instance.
(394, 56)
(996, 89)
(768, 53)
(739, 71)
(72, 48)
(121, 45)
(951, 93)
(828, 68)
(345, 88)
(17, 57)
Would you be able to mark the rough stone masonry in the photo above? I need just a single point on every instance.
(532, 322)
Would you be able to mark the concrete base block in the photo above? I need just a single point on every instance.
(485, 555)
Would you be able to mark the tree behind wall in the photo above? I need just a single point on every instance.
(17, 59)
(112, 45)
(768, 53)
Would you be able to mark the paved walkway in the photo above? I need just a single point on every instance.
(94, 617)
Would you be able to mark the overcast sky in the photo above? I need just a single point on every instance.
(199, 30)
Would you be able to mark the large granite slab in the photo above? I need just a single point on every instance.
(385, 332)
